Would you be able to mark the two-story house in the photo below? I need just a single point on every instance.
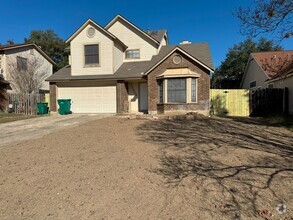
(120, 68)
(30, 59)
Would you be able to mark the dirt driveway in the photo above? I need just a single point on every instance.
(17, 131)
(116, 168)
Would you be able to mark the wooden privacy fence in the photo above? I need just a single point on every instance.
(25, 103)
(230, 102)
(265, 102)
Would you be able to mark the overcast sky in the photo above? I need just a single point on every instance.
(194, 20)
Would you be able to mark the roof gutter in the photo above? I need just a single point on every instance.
(278, 78)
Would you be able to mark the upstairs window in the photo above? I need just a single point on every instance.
(21, 63)
(132, 54)
(91, 53)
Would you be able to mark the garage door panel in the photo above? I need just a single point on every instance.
(100, 99)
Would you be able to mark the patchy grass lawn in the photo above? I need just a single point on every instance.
(286, 122)
(9, 117)
(116, 168)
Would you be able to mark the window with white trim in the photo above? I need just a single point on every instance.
(193, 90)
(176, 90)
(91, 54)
(132, 54)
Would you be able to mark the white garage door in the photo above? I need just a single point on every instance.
(101, 99)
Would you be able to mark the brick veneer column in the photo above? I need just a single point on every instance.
(53, 97)
(122, 97)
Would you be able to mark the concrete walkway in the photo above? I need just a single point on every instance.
(15, 132)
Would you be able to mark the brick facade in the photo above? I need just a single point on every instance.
(203, 85)
(122, 97)
(53, 97)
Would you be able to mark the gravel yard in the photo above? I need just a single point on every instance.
(118, 168)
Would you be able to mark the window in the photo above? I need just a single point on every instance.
(176, 90)
(21, 63)
(161, 91)
(91, 53)
(193, 90)
(132, 54)
(252, 84)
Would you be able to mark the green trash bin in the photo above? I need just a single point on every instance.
(42, 108)
(64, 106)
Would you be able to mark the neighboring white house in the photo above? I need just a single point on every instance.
(270, 70)
(111, 70)
(16, 55)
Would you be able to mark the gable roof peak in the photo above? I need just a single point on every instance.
(97, 26)
(118, 16)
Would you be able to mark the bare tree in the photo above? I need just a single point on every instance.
(27, 73)
(267, 16)
(279, 65)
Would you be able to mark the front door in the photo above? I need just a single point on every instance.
(143, 97)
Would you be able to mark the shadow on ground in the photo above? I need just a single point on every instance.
(237, 167)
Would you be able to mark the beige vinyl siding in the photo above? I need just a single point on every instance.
(11, 56)
(164, 42)
(106, 47)
(254, 73)
(3, 65)
(134, 40)
(69, 59)
(287, 82)
(118, 56)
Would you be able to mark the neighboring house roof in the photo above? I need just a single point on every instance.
(117, 17)
(16, 46)
(284, 73)
(157, 34)
(94, 24)
(272, 63)
(198, 52)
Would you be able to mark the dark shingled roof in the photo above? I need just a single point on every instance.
(7, 46)
(157, 34)
(65, 74)
(198, 51)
